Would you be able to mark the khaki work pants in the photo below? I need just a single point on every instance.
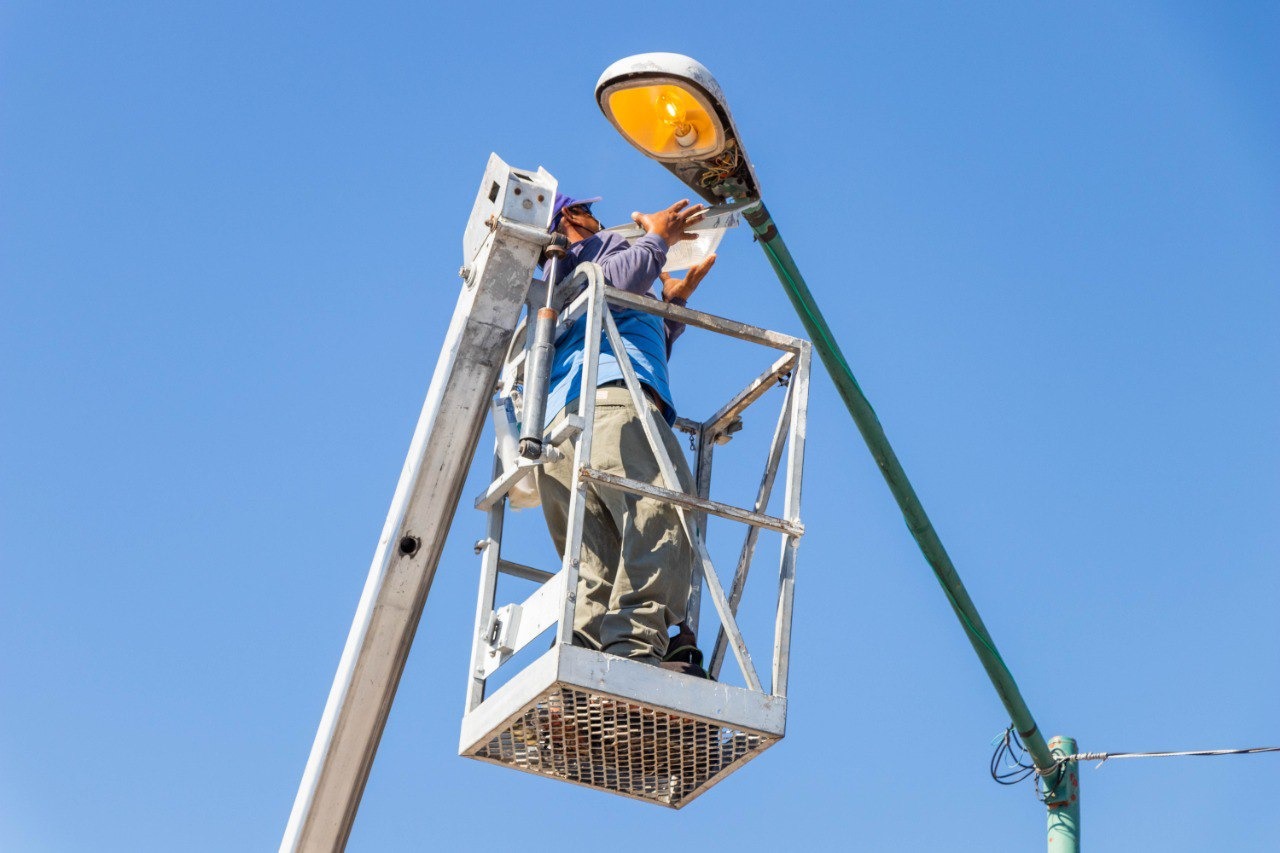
(636, 562)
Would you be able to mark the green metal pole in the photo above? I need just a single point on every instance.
(1062, 796)
(912, 510)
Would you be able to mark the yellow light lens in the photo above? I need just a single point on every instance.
(667, 121)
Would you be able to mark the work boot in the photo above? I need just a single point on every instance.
(685, 667)
(683, 654)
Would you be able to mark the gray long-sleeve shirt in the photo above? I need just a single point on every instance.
(632, 267)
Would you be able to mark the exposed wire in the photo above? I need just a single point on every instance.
(1009, 763)
(723, 167)
(1103, 757)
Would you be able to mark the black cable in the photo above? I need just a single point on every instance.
(1008, 764)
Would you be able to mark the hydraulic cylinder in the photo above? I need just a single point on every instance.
(537, 374)
(537, 370)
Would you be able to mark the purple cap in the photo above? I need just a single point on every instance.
(563, 201)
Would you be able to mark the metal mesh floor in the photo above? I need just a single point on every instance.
(624, 747)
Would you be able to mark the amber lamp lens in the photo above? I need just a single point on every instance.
(667, 121)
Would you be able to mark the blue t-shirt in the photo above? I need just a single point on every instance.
(646, 337)
(643, 337)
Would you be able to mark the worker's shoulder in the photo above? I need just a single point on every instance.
(611, 241)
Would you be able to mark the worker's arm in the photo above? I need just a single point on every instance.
(635, 268)
(678, 290)
(671, 226)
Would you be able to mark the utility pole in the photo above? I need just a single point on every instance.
(1062, 797)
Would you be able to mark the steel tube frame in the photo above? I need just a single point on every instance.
(747, 554)
(490, 549)
(593, 304)
(596, 314)
(689, 502)
(703, 455)
(799, 400)
(665, 465)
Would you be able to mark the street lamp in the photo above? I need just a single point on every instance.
(672, 109)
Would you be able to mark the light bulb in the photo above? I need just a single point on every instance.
(676, 117)
(675, 112)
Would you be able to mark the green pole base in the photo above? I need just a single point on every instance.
(1063, 800)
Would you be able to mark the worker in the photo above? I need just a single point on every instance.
(636, 561)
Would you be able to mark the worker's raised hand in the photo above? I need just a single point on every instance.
(671, 224)
(683, 288)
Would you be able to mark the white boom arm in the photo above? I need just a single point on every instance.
(504, 238)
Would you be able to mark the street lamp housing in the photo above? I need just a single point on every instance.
(664, 119)
(672, 109)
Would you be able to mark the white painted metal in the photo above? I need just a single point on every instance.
(490, 551)
(791, 508)
(520, 570)
(506, 481)
(501, 246)
(511, 475)
(643, 732)
(515, 195)
(505, 629)
(520, 624)
(704, 450)
(592, 278)
(754, 390)
(687, 501)
(615, 676)
(525, 724)
(710, 322)
(765, 491)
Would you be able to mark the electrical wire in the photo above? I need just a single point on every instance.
(1103, 757)
(1009, 764)
(723, 167)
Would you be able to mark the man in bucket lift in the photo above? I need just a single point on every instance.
(636, 563)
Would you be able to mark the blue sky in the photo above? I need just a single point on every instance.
(1045, 234)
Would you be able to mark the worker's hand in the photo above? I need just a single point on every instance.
(683, 288)
(671, 224)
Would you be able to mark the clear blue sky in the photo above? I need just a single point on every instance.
(1045, 234)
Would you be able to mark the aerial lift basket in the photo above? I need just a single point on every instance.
(617, 725)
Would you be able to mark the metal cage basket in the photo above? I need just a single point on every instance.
(609, 723)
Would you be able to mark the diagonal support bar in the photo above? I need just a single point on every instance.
(673, 482)
(765, 491)
(754, 390)
(687, 501)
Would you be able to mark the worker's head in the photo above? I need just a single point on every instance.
(573, 218)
